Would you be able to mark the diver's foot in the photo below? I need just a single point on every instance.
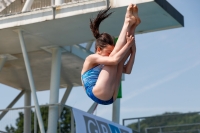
(129, 17)
(135, 14)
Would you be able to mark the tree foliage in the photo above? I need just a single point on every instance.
(64, 122)
(174, 120)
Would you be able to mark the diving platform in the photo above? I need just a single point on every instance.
(67, 25)
(41, 44)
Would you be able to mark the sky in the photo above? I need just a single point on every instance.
(165, 76)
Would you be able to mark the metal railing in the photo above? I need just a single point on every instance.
(16, 6)
(166, 123)
(183, 131)
(162, 129)
(14, 119)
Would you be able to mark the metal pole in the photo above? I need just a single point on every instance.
(89, 45)
(52, 2)
(2, 61)
(54, 90)
(35, 122)
(27, 112)
(107, 3)
(58, 2)
(92, 108)
(116, 111)
(72, 122)
(64, 99)
(31, 81)
(139, 125)
(11, 104)
(160, 130)
(27, 5)
(59, 121)
(66, 95)
(145, 130)
(123, 122)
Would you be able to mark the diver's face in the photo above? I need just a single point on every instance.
(105, 51)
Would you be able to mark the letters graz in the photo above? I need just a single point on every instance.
(96, 126)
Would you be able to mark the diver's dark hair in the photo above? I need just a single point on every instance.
(103, 39)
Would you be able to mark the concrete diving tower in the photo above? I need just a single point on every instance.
(40, 43)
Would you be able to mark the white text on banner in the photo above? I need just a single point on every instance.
(88, 123)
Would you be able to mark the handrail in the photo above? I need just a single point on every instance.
(17, 5)
(166, 115)
(25, 107)
(20, 109)
(123, 120)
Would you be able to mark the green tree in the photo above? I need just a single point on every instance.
(64, 122)
(169, 119)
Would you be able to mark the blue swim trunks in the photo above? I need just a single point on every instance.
(89, 79)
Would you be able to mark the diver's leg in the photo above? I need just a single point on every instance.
(119, 75)
(128, 22)
(109, 79)
(104, 86)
